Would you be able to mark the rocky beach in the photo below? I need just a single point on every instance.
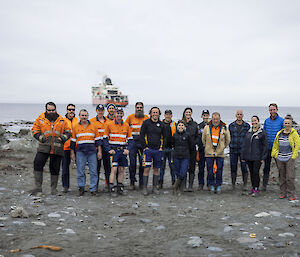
(194, 224)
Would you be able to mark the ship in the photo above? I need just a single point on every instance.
(105, 92)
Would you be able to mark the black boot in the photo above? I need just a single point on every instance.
(38, 180)
(81, 191)
(245, 180)
(184, 184)
(233, 179)
(155, 188)
(54, 180)
(145, 185)
(160, 184)
(191, 182)
(121, 190)
(113, 190)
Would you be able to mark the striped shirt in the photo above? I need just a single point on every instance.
(285, 150)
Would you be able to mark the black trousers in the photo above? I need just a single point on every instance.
(41, 159)
(254, 167)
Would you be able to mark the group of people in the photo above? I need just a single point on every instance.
(151, 142)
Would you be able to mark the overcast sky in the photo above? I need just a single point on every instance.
(189, 52)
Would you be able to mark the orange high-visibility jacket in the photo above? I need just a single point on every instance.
(135, 124)
(51, 135)
(117, 135)
(100, 125)
(71, 124)
(87, 138)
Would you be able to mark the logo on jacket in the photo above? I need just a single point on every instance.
(157, 124)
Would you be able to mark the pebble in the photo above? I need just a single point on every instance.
(18, 212)
(142, 230)
(54, 215)
(225, 218)
(236, 224)
(246, 240)
(227, 229)
(18, 222)
(3, 218)
(146, 220)
(286, 234)
(69, 231)
(195, 241)
(1, 225)
(215, 249)
(2, 188)
(135, 206)
(28, 255)
(275, 213)
(121, 220)
(262, 214)
(256, 246)
(266, 228)
(38, 223)
(289, 217)
(153, 204)
(161, 227)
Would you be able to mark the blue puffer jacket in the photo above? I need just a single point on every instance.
(272, 127)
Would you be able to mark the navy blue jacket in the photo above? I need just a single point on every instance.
(183, 145)
(255, 146)
(237, 137)
(272, 127)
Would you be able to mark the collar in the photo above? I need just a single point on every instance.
(68, 117)
(275, 117)
(88, 122)
(109, 118)
(97, 119)
(117, 122)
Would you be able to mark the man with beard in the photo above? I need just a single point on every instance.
(153, 140)
(52, 131)
(65, 176)
(135, 122)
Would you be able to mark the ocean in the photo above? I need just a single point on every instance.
(14, 112)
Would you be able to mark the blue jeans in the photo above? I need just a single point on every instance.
(167, 154)
(201, 165)
(81, 159)
(136, 151)
(214, 179)
(234, 158)
(181, 167)
(65, 175)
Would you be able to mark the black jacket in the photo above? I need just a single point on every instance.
(200, 131)
(192, 129)
(168, 132)
(152, 134)
(183, 145)
(255, 146)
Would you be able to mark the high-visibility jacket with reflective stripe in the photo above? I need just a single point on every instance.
(51, 135)
(71, 124)
(100, 125)
(135, 124)
(117, 135)
(86, 138)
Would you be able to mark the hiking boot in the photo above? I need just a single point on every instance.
(264, 188)
(255, 193)
(218, 190)
(251, 191)
(282, 196)
(94, 193)
(81, 191)
(54, 180)
(38, 179)
(292, 198)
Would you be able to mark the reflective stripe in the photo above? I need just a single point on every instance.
(117, 143)
(215, 137)
(215, 144)
(86, 141)
(128, 138)
(85, 134)
(117, 135)
(114, 163)
(101, 137)
(97, 138)
(148, 163)
(135, 126)
(73, 139)
(101, 130)
(105, 136)
(135, 133)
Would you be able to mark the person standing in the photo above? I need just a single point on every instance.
(285, 151)
(192, 129)
(100, 121)
(272, 125)
(153, 140)
(215, 138)
(201, 152)
(238, 130)
(116, 137)
(65, 176)
(170, 129)
(86, 136)
(254, 151)
(52, 131)
(111, 109)
(135, 122)
(182, 144)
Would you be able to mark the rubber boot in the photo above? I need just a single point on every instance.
(121, 190)
(245, 180)
(54, 180)
(176, 186)
(265, 183)
(160, 184)
(181, 187)
(233, 179)
(38, 180)
(155, 188)
(184, 184)
(191, 182)
(145, 185)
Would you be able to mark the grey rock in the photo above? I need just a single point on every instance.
(18, 222)
(195, 241)
(228, 229)
(69, 231)
(38, 223)
(150, 204)
(146, 220)
(266, 228)
(275, 213)
(236, 224)
(257, 246)
(28, 255)
(215, 249)
(246, 240)
(19, 212)
(286, 234)
(54, 215)
(121, 220)
(161, 227)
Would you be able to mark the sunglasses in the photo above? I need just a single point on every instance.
(52, 110)
(71, 109)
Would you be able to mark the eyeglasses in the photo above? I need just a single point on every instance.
(71, 109)
(52, 110)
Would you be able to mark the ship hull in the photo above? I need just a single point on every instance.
(96, 101)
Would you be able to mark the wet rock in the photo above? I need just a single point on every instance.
(236, 224)
(228, 229)
(18, 212)
(266, 228)
(70, 231)
(257, 246)
(153, 204)
(161, 227)
(287, 234)
(121, 220)
(262, 214)
(275, 213)
(38, 223)
(215, 249)
(195, 241)
(246, 240)
(54, 215)
(135, 206)
(146, 220)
